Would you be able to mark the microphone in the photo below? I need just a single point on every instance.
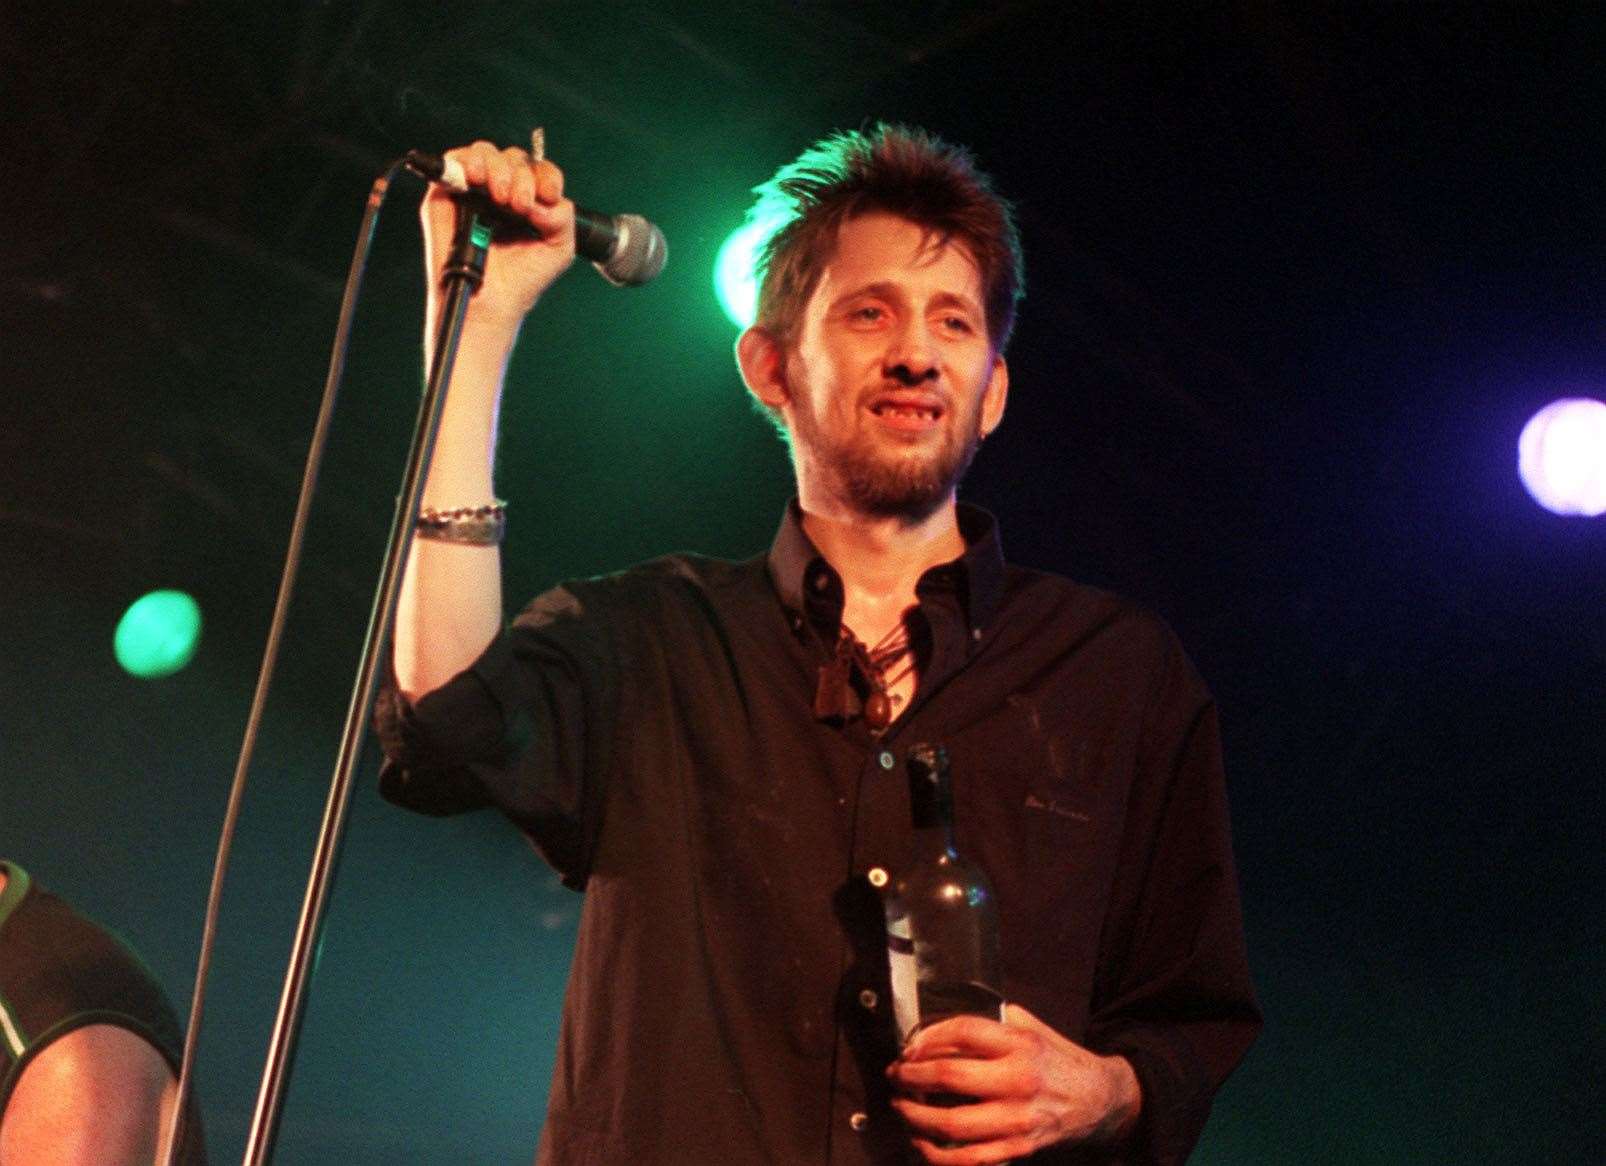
(626, 249)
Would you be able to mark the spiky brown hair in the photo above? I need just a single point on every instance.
(889, 168)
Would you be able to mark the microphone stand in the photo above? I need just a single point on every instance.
(465, 271)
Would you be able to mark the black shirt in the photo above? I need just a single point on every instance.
(654, 732)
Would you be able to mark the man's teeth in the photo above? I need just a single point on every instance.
(906, 411)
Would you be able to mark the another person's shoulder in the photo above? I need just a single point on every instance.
(66, 969)
(92, 1046)
(91, 1068)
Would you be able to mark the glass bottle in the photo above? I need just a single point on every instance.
(942, 919)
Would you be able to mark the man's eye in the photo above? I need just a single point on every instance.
(956, 324)
(868, 313)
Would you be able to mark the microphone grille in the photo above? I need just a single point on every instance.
(638, 255)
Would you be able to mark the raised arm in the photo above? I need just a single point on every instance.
(451, 597)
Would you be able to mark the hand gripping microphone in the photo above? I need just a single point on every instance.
(627, 249)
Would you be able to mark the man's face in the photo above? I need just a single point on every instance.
(892, 378)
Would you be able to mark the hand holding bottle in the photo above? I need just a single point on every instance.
(1031, 1087)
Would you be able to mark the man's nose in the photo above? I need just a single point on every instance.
(912, 354)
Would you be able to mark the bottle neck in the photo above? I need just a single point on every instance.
(934, 841)
(931, 804)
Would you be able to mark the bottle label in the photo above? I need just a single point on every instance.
(920, 997)
(905, 977)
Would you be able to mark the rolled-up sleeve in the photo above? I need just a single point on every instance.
(527, 728)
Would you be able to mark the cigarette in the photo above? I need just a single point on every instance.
(538, 144)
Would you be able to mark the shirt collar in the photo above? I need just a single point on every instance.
(811, 589)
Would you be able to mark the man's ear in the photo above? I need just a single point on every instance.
(763, 366)
(994, 396)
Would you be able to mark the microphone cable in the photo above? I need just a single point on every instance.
(270, 651)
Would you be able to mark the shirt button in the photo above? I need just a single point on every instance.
(975, 633)
(858, 1121)
(877, 876)
(868, 998)
(887, 760)
(820, 581)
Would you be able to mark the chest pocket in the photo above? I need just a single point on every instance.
(1036, 814)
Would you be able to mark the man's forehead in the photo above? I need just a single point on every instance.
(871, 247)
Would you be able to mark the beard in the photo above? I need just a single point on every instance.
(883, 483)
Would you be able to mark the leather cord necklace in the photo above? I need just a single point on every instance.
(860, 679)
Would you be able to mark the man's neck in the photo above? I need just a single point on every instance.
(881, 559)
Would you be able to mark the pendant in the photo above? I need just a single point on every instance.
(878, 711)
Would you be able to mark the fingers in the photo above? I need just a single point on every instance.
(512, 179)
(549, 183)
(972, 1077)
(518, 188)
(1006, 1081)
(963, 1036)
(1003, 1151)
(989, 1132)
(990, 1062)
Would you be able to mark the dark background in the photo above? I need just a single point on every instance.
(1298, 274)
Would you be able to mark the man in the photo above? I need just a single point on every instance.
(89, 1046)
(712, 750)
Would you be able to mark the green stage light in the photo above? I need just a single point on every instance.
(733, 272)
(158, 634)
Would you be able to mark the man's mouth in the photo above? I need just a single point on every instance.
(913, 412)
(907, 409)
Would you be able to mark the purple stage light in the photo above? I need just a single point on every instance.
(1561, 456)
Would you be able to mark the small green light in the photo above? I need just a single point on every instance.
(158, 634)
(733, 273)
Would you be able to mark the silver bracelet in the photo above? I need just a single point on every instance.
(481, 526)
